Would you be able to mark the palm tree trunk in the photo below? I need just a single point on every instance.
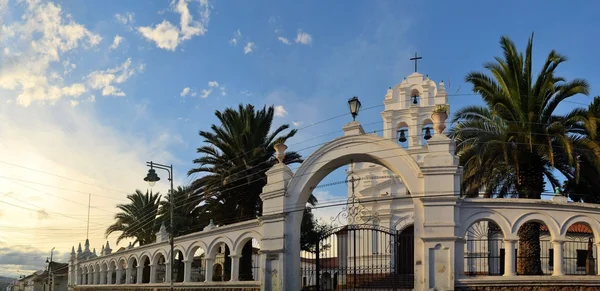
(530, 186)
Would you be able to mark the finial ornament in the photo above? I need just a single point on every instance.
(280, 148)
(439, 116)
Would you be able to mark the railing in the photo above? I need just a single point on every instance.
(485, 257)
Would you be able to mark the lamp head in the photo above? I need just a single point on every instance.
(152, 177)
(354, 105)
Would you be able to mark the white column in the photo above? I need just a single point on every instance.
(102, 277)
(597, 259)
(118, 278)
(209, 270)
(558, 257)
(187, 273)
(109, 276)
(140, 274)
(153, 273)
(509, 257)
(128, 274)
(168, 271)
(235, 267)
(90, 278)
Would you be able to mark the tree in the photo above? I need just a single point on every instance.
(516, 140)
(583, 184)
(312, 231)
(188, 215)
(137, 219)
(237, 155)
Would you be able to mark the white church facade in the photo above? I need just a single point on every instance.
(404, 225)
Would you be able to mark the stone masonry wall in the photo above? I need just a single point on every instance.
(530, 288)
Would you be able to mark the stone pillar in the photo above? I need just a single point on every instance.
(128, 274)
(90, 278)
(209, 270)
(510, 255)
(280, 241)
(558, 257)
(153, 273)
(119, 274)
(167, 271)
(140, 274)
(109, 277)
(437, 240)
(235, 267)
(102, 277)
(187, 273)
(459, 255)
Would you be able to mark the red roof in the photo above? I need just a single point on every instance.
(575, 228)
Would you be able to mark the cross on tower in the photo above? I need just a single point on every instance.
(416, 58)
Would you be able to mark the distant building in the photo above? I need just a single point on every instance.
(38, 281)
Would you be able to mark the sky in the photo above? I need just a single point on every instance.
(91, 90)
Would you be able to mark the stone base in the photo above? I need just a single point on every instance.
(141, 288)
(529, 288)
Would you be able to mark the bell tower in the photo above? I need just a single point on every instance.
(408, 109)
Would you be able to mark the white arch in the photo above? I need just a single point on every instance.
(359, 148)
(487, 215)
(130, 262)
(143, 256)
(243, 239)
(212, 249)
(154, 258)
(537, 217)
(581, 218)
(177, 248)
(189, 254)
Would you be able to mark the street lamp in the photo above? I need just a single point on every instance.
(354, 105)
(152, 178)
(50, 269)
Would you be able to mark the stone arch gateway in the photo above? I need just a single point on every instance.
(432, 171)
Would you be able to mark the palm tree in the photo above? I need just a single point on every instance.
(188, 214)
(137, 219)
(237, 155)
(583, 183)
(516, 140)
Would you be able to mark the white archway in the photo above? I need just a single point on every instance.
(359, 148)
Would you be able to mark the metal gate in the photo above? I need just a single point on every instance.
(360, 257)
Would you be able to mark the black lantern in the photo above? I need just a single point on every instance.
(427, 133)
(354, 105)
(152, 177)
(402, 137)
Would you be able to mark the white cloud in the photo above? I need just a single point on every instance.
(92, 99)
(213, 84)
(205, 93)
(223, 92)
(168, 36)
(41, 36)
(297, 123)
(116, 42)
(236, 37)
(284, 40)
(74, 90)
(250, 46)
(246, 93)
(303, 38)
(280, 111)
(165, 35)
(106, 79)
(126, 18)
(184, 92)
(73, 103)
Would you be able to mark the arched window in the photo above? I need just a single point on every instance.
(415, 97)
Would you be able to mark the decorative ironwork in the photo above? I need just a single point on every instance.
(354, 212)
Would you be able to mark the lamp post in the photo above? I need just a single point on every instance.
(50, 269)
(354, 105)
(152, 178)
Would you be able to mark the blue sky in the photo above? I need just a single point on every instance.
(93, 89)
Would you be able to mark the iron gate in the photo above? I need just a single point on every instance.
(360, 257)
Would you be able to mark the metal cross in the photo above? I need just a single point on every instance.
(416, 58)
